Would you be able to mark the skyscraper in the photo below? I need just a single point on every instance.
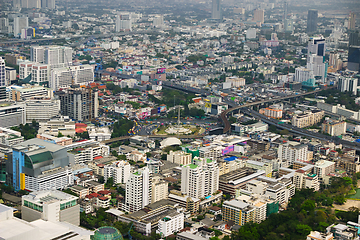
(20, 23)
(216, 10)
(138, 190)
(123, 22)
(312, 20)
(259, 15)
(56, 56)
(352, 21)
(316, 45)
(2, 73)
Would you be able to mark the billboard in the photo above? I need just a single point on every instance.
(227, 150)
(162, 108)
(232, 98)
(158, 109)
(160, 70)
(208, 105)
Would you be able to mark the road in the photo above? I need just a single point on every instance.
(152, 136)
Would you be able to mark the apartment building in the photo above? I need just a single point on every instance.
(119, 171)
(260, 205)
(159, 189)
(50, 205)
(179, 157)
(190, 204)
(293, 151)
(238, 211)
(64, 77)
(201, 178)
(171, 223)
(334, 128)
(272, 113)
(308, 118)
(138, 190)
(86, 154)
(306, 180)
(41, 109)
(323, 168)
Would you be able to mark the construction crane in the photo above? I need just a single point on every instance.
(128, 233)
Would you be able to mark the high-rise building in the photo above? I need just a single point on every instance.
(41, 109)
(303, 74)
(40, 73)
(216, 10)
(55, 56)
(30, 3)
(293, 151)
(312, 20)
(316, 45)
(348, 84)
(4, 25)
(159, 189)
(138, 190)
(2, 73)
(63, 77)
(201, 178)
(316, 58)
(52, 206)
(123, 22)
(50, 4)
(79, 104)
(39, 165)
(259, 15)
(158, 21)
(352, 21)
(119, 171)
(354, 58)
(19, 24)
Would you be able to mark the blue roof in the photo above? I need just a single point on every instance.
(232, 158)
(357, 140)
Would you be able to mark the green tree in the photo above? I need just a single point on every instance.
(303, 229)
(60, 134)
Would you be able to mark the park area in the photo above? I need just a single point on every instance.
(354, 194)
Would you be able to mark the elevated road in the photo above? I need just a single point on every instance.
(247, 105)
(152, 136)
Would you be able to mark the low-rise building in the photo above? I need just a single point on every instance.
(267, 167)
(239, 212)
(179, 157)
(334, 128)
(170, 224)
(307, 118)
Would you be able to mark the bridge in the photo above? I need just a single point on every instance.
(247, 105)
(152, 136)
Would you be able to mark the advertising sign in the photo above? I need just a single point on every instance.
(228, 150)
(162, 108)
(160, 70)
(208, 105)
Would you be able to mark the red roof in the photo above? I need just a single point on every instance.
(95, 195)
(103, 198)
(80, 125)
(80, 130)
(98, 157)
(104, 192)
(89, 196)
(101, 165)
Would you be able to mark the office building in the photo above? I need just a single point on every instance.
(170, 224)
(55, 56)
(334, 128)
(40, 73)
(354, 58)
(19, 24)
(52, 206)
(41, 109)
(323, 168)
(26, 92)
(119, 171)
(60, 124)
(179, 157)
(312, 20)
(4, 26)
(251, 33)
(64, 77)
(25, 69)
(86, 153)
(10, 75)
(123, 22)
(316, 45)
(238, 211)
(2, 73)
(31, 3)
(99, 133)
(293, 151)
(307, 118)
(259, 16)
(79, 104)
(158, 21)
(348, 84)
(267, 167)
(159, 189)
(303, 74)
(12, 228)
(352, 21)
(39, 165)
(138, 190)
(216, 10)
(12, 114)
(201, 178)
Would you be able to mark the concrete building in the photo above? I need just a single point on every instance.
(25, 69)
(12, 114)
(315, 235)
(334, 128)
(13, 228)
(235, 81)
(258, 16)
(352, 21)
(308, 118)
(40, 73)
(303, 74)
(201, 178)
(19, 24)
(123, 22)
(190, 204)
(323, 168)
(170, 224)
(10, 137)
(303, 179)
(41, 109)
(39, 165)
(159, 189)
(99, 133)
(348, 84)
(238, 212)
(88, 153)
(55, 125)
(2, 73)
(312, 20)
(293, 151)
(63, 77)
(119, 171)
(23, 93)
(52, 206)
(55, 56)
(267, 167)
(251, 33)
(62, 141)
(273, 113)
(179, 157)
(138, 190)
(79, 104)
(260, 204)
(158, 21)
(216, 10)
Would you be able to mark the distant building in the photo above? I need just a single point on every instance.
(352, 21)
(179, 157)
(334, 128)
(307, 118)
(312, 20)
(259, 15)
(55, 56)
(19, 24)
(52, 206)
(159, 189)
(293, 151)
(64, 77)
(158, 21)
(12, 114)
(216, 10)
(2, 73)
(123, 22)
